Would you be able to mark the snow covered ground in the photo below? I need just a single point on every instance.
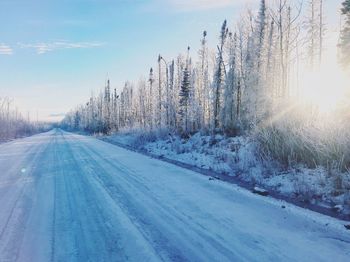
(239, 157)
(67, 197)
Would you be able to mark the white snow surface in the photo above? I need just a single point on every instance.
(239, 156)
(66, 197)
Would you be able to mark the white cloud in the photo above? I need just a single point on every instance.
(42, 48)
(5, 49)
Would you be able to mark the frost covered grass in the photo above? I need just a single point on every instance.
(248, 159)
(319, 147)
(326, 145)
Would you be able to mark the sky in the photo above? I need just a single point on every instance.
(54, 53)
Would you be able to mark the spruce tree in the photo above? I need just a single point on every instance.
(185, 95)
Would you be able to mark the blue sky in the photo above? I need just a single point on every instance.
(53, 53)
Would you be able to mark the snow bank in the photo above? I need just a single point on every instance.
(240, 157)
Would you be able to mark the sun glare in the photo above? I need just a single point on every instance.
(323, 89)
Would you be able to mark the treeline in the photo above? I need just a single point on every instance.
(246, 84)
(13, 124)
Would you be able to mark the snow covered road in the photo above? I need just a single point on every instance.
(65, 197)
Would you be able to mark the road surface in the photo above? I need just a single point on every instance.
(65, 197)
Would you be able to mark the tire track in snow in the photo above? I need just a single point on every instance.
(193, 231)
(69, 215)
(92, 223)
(12, 232)
(53, 231)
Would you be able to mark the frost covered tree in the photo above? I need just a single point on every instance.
(344, 43)
(150, 101)
(202, 83)
(237, 87)
(229, 118)
(142, 105)
(256, 65)
(219, 75)
(260, 34)
(115, 111)
(184, 95)
(315, 33)
(159, 98)
(320, 31)
(106, 108)
(171, 103)
(13, 124)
